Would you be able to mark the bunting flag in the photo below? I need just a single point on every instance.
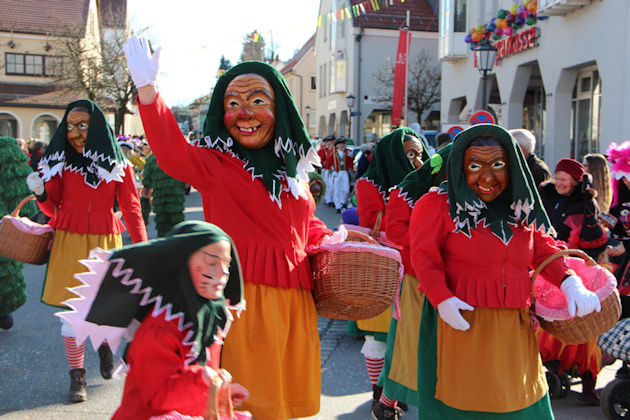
(355, 11)
(400, 76)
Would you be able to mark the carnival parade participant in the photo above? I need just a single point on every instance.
(399, 377)
(395, 155)
(251, 168)
(341, 168)
(83, 172)
(15, 169)
(325, 155)
(479, 357)
(170, 298)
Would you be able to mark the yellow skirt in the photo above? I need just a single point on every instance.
(379, 323)
(494, 366)
(273, 351)
(404, 368)
(68, 248)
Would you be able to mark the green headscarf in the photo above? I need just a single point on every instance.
(389, 165)
(154, 275)
(431, 174)
(519, 203)
(289, 153)
(102, 158)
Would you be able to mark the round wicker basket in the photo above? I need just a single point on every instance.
(579, 330)
(22, 246)
(354, 282)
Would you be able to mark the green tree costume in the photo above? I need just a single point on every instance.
(13, 172)
(169, 196)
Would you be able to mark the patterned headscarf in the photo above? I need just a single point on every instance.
(289, 154)
(102, 158)
(519, 203)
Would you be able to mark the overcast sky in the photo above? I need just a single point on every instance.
(194, 34)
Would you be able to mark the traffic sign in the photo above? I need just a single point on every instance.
(481, 117)
(455, 130)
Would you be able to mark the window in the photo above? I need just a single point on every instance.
(32, 64)
(313, 83)
(459, 21)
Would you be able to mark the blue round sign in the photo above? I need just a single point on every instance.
(454, 130)
(481, 117)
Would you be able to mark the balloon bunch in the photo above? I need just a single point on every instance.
(505, 23)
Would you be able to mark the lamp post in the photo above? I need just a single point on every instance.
(350, 103)
(485, 55)
(307, 110)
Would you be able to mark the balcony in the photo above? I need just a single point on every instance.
(560, 7)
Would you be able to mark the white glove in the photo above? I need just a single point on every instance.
(449, 312)
(142, 66)
(579, 297)
(35, 183)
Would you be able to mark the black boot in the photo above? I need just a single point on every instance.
(6, 321)
(107, 361)
(78, 386)
(376, 395)
(588, 395)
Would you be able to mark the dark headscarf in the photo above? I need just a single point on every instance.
(519, 203)
(102, 158)
(431, 174)
(289, 153)
(154, 275)
(389, 164)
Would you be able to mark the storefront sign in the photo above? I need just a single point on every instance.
(517, 43)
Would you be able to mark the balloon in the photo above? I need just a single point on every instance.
(510, 19)
(519, 21)
(530, 20)
(514, 8)
(498, 32)
(500, 23)
(490, 27)
(507, 31)
(481, 29)
(468, 39)
(496, 37)
(492, 20)
(531, 7)
(516, 27)
(502, 13)
(527, 2)
(476, 37)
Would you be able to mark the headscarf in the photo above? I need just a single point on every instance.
(102, 158)
(519, 203)
(619, 157)
(430, 174)
(127, 283)
(289, 154)
(389, 165)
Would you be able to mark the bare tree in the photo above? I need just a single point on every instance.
(423, 83)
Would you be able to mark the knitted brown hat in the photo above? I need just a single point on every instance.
(572, 167)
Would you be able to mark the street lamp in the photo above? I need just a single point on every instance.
(350, 103)
(485, 54)
(307, 109)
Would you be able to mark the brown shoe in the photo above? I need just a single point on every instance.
(107, 361)
(78, 385)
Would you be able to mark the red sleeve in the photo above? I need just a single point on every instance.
(174, 154)
(369, 203)
(165, 382)
(349, 162)
(544, 246)
(398, 215)
(129, 202)
(53, 196)
(322, 154)
(427, 235)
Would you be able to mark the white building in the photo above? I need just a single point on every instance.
(568, 84)
(350, 50)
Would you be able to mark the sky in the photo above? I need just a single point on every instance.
(194, 34)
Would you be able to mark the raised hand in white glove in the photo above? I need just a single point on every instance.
(143, 66)
(35, 183)
(449, 312)
(580, 300)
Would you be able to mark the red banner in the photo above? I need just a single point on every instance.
(400, 76)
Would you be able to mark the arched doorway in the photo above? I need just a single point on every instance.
(44, 126)
(8, 125)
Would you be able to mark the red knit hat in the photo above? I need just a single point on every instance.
(572, 167)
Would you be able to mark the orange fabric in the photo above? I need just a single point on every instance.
(494, 366)
(379, 323)
(68, 248)
(273, 351)
(587, 356)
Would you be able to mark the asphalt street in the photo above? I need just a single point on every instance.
(34, 373)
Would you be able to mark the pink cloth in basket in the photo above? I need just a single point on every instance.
(26, 225)
(174, 415)
(551, 303)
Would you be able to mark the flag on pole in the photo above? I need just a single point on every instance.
(400, 75)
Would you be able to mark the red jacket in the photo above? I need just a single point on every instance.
(480, 270)
(369, 203)
(332, 160)
(324, 156)
(398, 216)
(271, 239)
(79, 208)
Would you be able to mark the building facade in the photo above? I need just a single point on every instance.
(562, 77)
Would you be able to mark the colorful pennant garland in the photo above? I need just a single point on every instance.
(354, 11)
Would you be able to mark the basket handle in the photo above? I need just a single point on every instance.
(363, 236)
(566, 252)
(21, 204)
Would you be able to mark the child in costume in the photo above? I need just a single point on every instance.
(251, 168)
(341, 164)
(15, 169)
(473, 242)
(170, 297)
(399, 377)
(396, 155)
(83, 172)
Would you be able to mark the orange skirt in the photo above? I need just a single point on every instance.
(68, 248)
(273, 351)
(587, 356)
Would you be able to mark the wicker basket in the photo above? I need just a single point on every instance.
(22, 246)
(356, 282)
(579, 330)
